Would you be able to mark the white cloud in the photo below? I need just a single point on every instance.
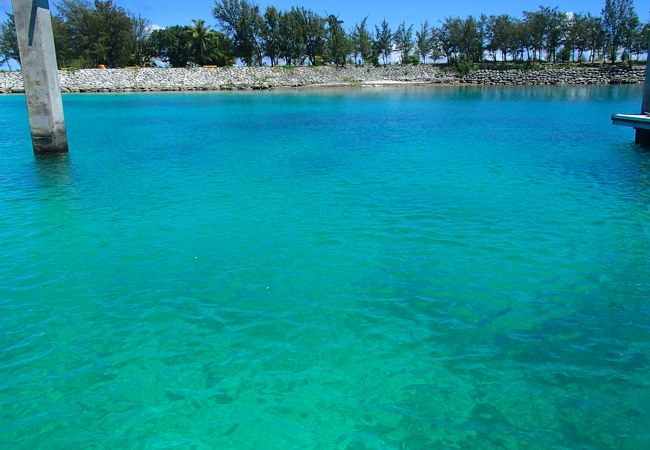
(153, 27)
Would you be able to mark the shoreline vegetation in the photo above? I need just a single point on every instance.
(283, 77)
(101, 47)
(104, 34)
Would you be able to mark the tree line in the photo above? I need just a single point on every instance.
(300, 36)
(88, 34)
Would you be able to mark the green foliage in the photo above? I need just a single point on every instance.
(292, 46)
(141, 55)
(64, 52)
(620, 23)
(461, 39)
(312, 28)
(208, 47)
(556, 26)
(383, 42)
(339, 44)
(303, 36)
(595, 36)
(424, 41)
(171, 45)
(501, 32)
(197, 44)
(88, 33)
(578, 35)
(463, 67)
(271, 34)
(565, 54)
(101, 33)
(8, 41)
(362, 44)
(404, 41)
(242, 22)
(412, 60)
(641, 41)
(351, 80)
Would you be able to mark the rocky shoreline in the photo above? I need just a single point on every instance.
(264, 78)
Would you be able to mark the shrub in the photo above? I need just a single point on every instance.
(463, 67)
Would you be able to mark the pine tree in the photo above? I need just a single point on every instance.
(384, 41)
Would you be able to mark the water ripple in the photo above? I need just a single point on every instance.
(334, 270)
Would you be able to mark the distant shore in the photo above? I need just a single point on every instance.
(265, 78)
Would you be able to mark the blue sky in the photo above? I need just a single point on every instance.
(165, 13)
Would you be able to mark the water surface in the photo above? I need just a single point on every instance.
(397, 268)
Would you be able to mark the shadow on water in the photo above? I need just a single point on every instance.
(642, 151)
(642, 175)
(53, 171)
(55, 193)
(637, 158)
(556, 93)
(54, 182)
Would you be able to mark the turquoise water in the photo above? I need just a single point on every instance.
(384, 269)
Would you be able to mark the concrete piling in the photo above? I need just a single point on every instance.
(643, 135)
(40, 76)
(640, 122)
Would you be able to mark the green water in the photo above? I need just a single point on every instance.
(371, 269)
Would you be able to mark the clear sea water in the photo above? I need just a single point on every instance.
(408, 268)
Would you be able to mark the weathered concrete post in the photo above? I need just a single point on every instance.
(40, 76)
(643, 136)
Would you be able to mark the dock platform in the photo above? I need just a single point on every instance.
(640, 122)
(637, 121)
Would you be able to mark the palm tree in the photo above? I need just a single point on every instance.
(199, 40)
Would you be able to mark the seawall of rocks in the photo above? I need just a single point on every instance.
(244, 78)
(555, 76)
